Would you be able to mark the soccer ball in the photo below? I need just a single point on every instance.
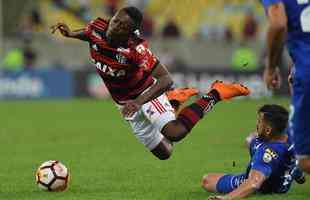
(52, 175)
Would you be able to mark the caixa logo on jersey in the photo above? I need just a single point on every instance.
(108, 70)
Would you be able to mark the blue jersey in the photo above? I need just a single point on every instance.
(298, 41)
(276, 161)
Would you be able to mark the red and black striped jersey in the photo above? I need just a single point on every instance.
(126, 71)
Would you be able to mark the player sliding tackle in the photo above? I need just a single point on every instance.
(272, 168)
(138, 82)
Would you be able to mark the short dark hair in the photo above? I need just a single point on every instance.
(135, 14)
(276, 116)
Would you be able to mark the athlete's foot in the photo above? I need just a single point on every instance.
(227, 91)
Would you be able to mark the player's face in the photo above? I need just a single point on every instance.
(263, 128)
(120, 27)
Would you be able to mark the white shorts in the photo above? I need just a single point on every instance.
(148, 122)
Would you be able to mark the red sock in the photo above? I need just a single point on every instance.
(190, 115)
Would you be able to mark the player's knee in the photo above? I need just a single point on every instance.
(304, 164)
(174, 131)
(206, 183)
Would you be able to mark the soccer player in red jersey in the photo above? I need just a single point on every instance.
(138, 82)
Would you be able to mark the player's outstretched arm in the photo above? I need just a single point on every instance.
(66, 31)
(248, 187)
(163, 83)
(276, 34)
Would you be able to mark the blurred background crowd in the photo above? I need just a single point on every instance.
(187, 35)
(205, 34)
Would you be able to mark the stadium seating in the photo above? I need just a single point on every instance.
(189, 15)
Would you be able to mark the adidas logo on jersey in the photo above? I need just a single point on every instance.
(121, 59)
(123, 50)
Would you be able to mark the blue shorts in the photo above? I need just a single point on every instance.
(229, 182)
(301, 116)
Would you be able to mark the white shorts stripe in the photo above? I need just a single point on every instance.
(155, 105)
(160, 105)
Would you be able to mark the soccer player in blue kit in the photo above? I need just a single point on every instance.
(289, 21)
(272, 167)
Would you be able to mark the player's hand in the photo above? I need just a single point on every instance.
(272, 78)
(63, 29)
(217, 198)
(130, 108)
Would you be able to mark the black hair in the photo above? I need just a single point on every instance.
(276, 116)
(135, 14)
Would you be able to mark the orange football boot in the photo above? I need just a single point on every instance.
(229, 90)
(181, 94)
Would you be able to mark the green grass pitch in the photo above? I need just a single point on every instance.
(108, 163)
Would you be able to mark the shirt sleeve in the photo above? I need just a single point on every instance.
(98, 24)
(268, 3)
(144, 58)
(262, 162)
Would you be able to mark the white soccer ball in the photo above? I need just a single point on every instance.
(52, 175)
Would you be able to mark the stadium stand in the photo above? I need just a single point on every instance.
(204, 28)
